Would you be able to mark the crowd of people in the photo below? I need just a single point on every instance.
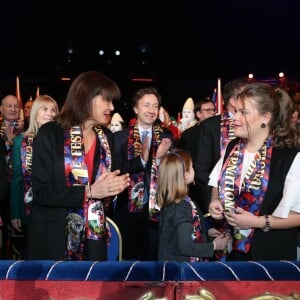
(208, 187)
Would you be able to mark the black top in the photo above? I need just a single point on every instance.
(52, 197)
(175, 235)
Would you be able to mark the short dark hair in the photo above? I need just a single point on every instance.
(145, 91)
(233, 88)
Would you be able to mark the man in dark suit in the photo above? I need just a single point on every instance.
(137, 211)
(214, 135)
(204, 109)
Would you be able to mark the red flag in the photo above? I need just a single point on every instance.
(18, 95)
(178, 118)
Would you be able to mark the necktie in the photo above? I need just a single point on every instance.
(144, 135)
(146, 185)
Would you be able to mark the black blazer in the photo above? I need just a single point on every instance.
(277, 244)
(51, 196)
(207, 155)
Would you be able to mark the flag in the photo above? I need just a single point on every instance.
(37, 93)
(214, 96)
(219, 100)
(18, 95)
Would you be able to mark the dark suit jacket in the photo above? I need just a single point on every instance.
(133, 165)
(188, 140)
(207, 154)
(51, 196)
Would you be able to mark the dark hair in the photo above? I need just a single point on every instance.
(276, 101)
(233, 88)
(77, 107)
(198, 105)
(145, 91)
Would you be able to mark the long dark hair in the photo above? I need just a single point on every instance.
(77, 107)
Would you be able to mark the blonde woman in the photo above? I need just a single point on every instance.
(44, 109)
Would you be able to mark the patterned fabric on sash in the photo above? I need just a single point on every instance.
(227, 131)
(87, 222)
(26, 158)
(253, 186)
(197, 230)
(136, 188)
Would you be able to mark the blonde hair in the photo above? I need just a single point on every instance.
(171, 184)
(38, 103)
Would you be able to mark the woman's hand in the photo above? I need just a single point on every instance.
(109, 184)
(216, 209)
(241, 219)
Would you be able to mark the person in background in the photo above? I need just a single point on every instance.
(295, 118)
(256, 185)
(117, 123)
(11, 126)
(4, 187)
(72, 178)
(214, 135)
(204, 109)
(182, 232)
(137, 150)
(44, 109)
(26, 111)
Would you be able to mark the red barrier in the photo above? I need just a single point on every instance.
(98, 290)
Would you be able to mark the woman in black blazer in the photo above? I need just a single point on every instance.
(72, 179)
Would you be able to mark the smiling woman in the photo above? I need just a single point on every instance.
(73, 178)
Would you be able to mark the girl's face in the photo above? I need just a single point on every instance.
(45, 114)
(190, 174)
(247, 120)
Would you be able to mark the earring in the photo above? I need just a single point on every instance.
(263, 125)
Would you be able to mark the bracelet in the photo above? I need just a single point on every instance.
(267, 226)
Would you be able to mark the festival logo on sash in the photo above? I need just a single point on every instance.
(137, 194)
(96, 219)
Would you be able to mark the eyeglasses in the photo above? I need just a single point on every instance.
(209, 109)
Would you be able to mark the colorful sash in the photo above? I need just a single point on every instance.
(253, 187)
(87, 222)
(136, 188)
(26, 158)
(197, 228)
(227, 131)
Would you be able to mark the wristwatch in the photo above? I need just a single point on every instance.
(267, 226)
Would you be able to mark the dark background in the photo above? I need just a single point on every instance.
(187, 45)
